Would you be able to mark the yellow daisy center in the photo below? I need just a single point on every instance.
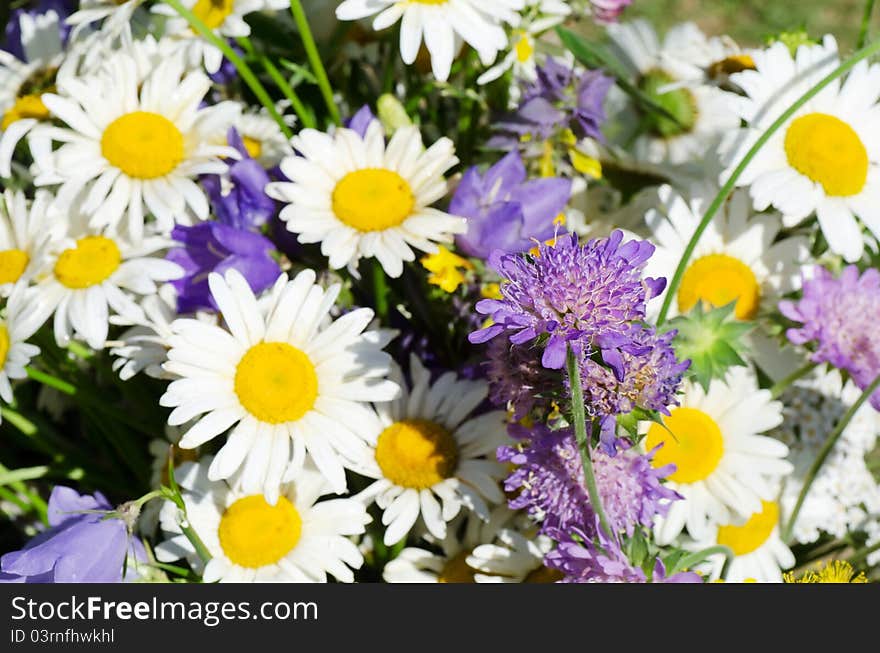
(143, 145)
(416, 453)
(213, 12)
(12, 265)
(829, 152)
(694, 445)
(28, 106)
(719, 279)
(457, 570)
(733, 64)
(836, 571)
(276, 382)
(253, 146)
(373, 199)
(751, 535)
(430, 2)
(524, 48)
(4, 345)
(91, 262)
(254, 534)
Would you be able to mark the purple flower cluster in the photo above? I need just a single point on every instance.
(504, 211)
(518, 380)
(550, 480)
(841, 316)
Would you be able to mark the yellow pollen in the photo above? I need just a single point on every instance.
(4, 345)
(253, 146)
(457, 570)
(524, 48)
(416, 453)
(13, 263)
(694, 446)
(91, 262)
(276, 382)
(584, 164)
(446, 269)
(543, 575)
(829, 152)
(213, 12)
(254, 534)
(429, 2)
(373, 199)
(28, 106)
(491, 291)
(836, 571)
(733, 64)
(719, 279)
(143, 145)
(751, 535)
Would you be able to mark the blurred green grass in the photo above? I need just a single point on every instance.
(750, 22)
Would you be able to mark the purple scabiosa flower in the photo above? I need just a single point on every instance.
(359, 122)
(505, 211)
(518, 380)
(841, 315)
(216, 247)
(586, 295)
(550, 480)
(79, 547)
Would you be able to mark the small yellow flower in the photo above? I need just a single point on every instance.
(491, 291)
(836, 571)
(446, 269)
(586, 165)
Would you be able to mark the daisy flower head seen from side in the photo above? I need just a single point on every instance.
(359, 197)
(444, 24)
(723, 465)
(297, 539)
(27, 229)
(431, 455)
(282, 376)
(136, 147)
(825, 160)
(16, 326)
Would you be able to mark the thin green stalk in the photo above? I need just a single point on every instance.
(780, 386)
(305, 118)
(866, 24)
(862, 554)
(305, 32)
(380, 290)
(12, 497)
(729, 185)
(243, 69)
(36, 501)
(823, 454)
(697, 557)
(19, 421)
(51, 381)
(580, 431)
(196, 541)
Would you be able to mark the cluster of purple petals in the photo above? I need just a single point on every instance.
(840, 315)
(361, 119)
(232, 241)
(78, 547)
(506, 211)
(549, 479)
(588, 296)
(517, 379)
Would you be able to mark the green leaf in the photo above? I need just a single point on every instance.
(11, 476)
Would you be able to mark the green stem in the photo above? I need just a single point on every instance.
(380, 290)
(729, 185)
(305, 32)
(862, 554)
(36, 501)
(305, 118)
(51, 381)
(19, 421)
(580, 431)
(866, 24)
(697, 557)
(196, 541)
(80, 351)
(243, 69)
(823, 454)
(780, 386)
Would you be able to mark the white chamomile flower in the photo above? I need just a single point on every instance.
(738, 257)
(703, 113)
(361, 198)
(724, 467)
(513, 557)
(88, 274)
(116, 15)
(15, 328)
(759, 554)
(26, 233)
(224, 17)
(144, 346)
(425, 446)
(133, 145)
(263, 139)
(450, 565)
(281, 377)
(298, 539)
(444, 24)
(826, 158)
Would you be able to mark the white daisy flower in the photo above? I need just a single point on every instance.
(444, 24)
(90, 273)
(826, 158)
(16, 327)
(723, 465)
(297, 539)
(282, 376)
(425, 446)
(513, 557)
(26, 233)
(263, 139)
(132, 146)
(144, 347)
(224, 17)
(116, 15)
(704, 113)
(759, 554)
(738, 258)
(361, 198)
